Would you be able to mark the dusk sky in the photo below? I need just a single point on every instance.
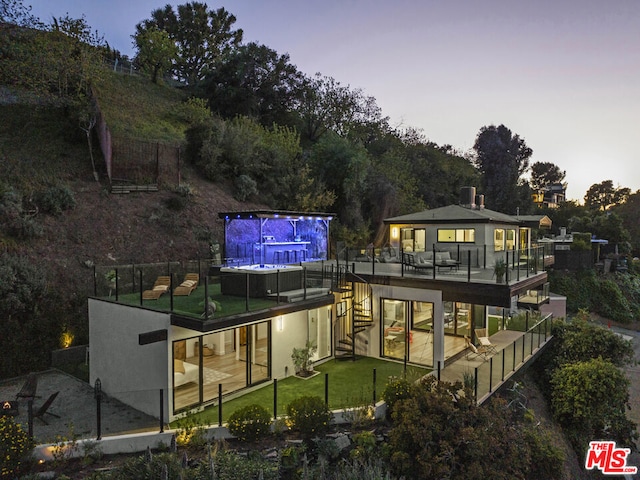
(563, 75)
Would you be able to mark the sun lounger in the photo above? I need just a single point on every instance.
(188, 285)
(160, 287)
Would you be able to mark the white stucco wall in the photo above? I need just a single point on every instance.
(132, 373)
(294, 334)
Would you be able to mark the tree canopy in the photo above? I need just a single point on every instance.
(502, 158)
(201, 36)
(544, 174)
(602, 196)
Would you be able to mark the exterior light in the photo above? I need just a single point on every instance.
(394, 232)
(280, 323)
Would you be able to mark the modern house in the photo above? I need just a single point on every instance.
(419, 299)
(550, 196)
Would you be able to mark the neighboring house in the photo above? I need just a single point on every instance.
(550, 196)
(290, 293)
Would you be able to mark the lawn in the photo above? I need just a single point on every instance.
(350, 384)
(194, 304)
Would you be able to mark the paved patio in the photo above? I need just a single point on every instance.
(76, 407)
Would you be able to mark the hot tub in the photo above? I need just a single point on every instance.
(262, 279)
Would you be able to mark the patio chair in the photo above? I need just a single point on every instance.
(483, 339)
(29, 387)
(160, 287)
(188, 285)
(43, 410)
(473, 350)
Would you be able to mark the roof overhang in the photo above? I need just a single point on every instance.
(282, 214)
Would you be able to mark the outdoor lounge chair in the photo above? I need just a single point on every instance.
(29, 388)
(477, 351)
(43, 410)
(160, 287)
(188, 285)
(483, 339)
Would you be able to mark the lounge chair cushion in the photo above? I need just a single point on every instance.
(162, 288)
(188, 283)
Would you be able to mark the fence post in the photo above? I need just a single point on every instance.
(326, 389)
(30, 417)
(97, 392)
(374, 387)
(219, 404)
(275, 398)
(161, 410)
(141, 302)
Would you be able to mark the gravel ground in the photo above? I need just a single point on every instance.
(76, 407)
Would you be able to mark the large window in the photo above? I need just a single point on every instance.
(511, 239)
(394, 314)
(235, 358)
(319, 324)
(498, 240)
(458, 235)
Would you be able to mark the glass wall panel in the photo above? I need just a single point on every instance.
(511, 239)
(186, 374)
(259, 348)
(420, 238)
(421, 333)
(394, 314)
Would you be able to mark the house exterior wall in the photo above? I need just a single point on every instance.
(129, 372)
(295, 331)
(557, 306)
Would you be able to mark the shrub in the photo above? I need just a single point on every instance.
(309, 415)
(15, 446)
(397, 389)
(245, 187)
(55, 199)
(250, 423)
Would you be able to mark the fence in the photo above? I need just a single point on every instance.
(491, 374)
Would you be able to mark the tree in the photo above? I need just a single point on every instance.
(589, 399)
(201, 36)
(156, 51)
(326, 105)
(502, 158)
(602, 196)
(628, 212)
(254, 81)
(15, 12)
(544, 174)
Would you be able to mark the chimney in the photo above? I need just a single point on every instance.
(480, 202)
(468, 197)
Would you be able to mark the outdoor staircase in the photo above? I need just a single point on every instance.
(356, 319)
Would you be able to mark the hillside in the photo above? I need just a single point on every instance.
(40, 145)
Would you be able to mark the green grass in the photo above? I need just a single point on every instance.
(194, 304)
(350, 385)
(136, 108)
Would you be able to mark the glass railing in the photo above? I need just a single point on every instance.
(459, 262)
(492, 373)
(196, 289)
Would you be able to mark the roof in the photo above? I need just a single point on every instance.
(535, 221)
(248, 214)
(454, 214)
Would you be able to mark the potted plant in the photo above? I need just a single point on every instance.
(499, 269)
(302, 359)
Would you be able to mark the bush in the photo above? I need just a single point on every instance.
(309, 415)
(397, 389)
(55, 199)
(15, 447)
(250, 423)
(245, 187)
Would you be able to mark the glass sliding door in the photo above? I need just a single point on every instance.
(421, 333)
(394, 319)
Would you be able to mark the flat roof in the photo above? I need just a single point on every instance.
(287, 214)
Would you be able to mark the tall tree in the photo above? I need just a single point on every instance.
(628, 212)
(602, 196)
(326, 105)
(502, 158)
(544, 174)
(156, 51)
(201, 36)
(254, 81)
